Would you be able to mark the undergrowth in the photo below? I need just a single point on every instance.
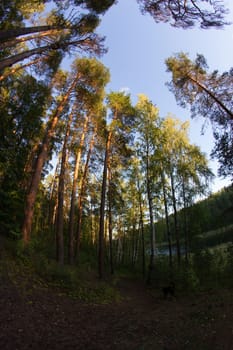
(30, 269)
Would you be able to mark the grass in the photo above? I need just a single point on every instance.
(34, 270)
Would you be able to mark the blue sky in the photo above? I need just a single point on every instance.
(137, 49)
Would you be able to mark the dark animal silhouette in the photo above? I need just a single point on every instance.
(169, 291)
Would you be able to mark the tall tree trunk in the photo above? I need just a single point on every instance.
(141, 226)
(175, 217)
(42, 157)
(14, 42)
(152, 226)
(204, 88)
(102, 207)
(73, 194)
(186, 245)
(16, 69)
(167, 220)
(82, 193)
(61, 187)
(9, 61)
(110, 220)
(8, 34)
(53, 198)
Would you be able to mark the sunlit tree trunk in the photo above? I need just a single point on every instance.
(9, 61)
(61, 187)
(74, 190)
(152, 226)
(167, 220)
(14, 42)
(82, 193)
(23, 66)
(175, 216)
(141, 228)
(102, 206)
(53, 197)
(42, 157)
(185, 221)
(215, 98)
(110, 220)
(8, 34)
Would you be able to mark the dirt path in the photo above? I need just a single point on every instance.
(41, 318)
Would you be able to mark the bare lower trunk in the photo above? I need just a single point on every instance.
(152, 240)
(167, 221)
(186, 245)
(152, 226)
(141, 228)
(61, 187)
(175, 218)
(102, 207)
(110, 222)
(82, 193)
(73, 194)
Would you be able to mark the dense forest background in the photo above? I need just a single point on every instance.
(90, 180)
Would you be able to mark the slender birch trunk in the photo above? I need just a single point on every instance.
(141, 227)
(167, 220)
(175, 217)
(186, 245)
(152, 226)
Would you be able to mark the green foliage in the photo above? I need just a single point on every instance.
(24, 102)
(208, 95)
(95, 5)
(186, 14)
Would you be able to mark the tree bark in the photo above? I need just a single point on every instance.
(8, 34)
(82, 193)
(152, 226)
(61, 187)
(14, 42)
(203, 87)
(9, 61)
(42, 157)
(167, 220)
(175, 218)
(110, 220)
(185, 222)
(73, 194)
(141, 225)
(102, 207)
(16, 69)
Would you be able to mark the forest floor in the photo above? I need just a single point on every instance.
(34, 316)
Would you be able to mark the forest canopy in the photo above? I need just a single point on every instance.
(90, 167)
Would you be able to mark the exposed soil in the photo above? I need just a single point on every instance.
(33, 317)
